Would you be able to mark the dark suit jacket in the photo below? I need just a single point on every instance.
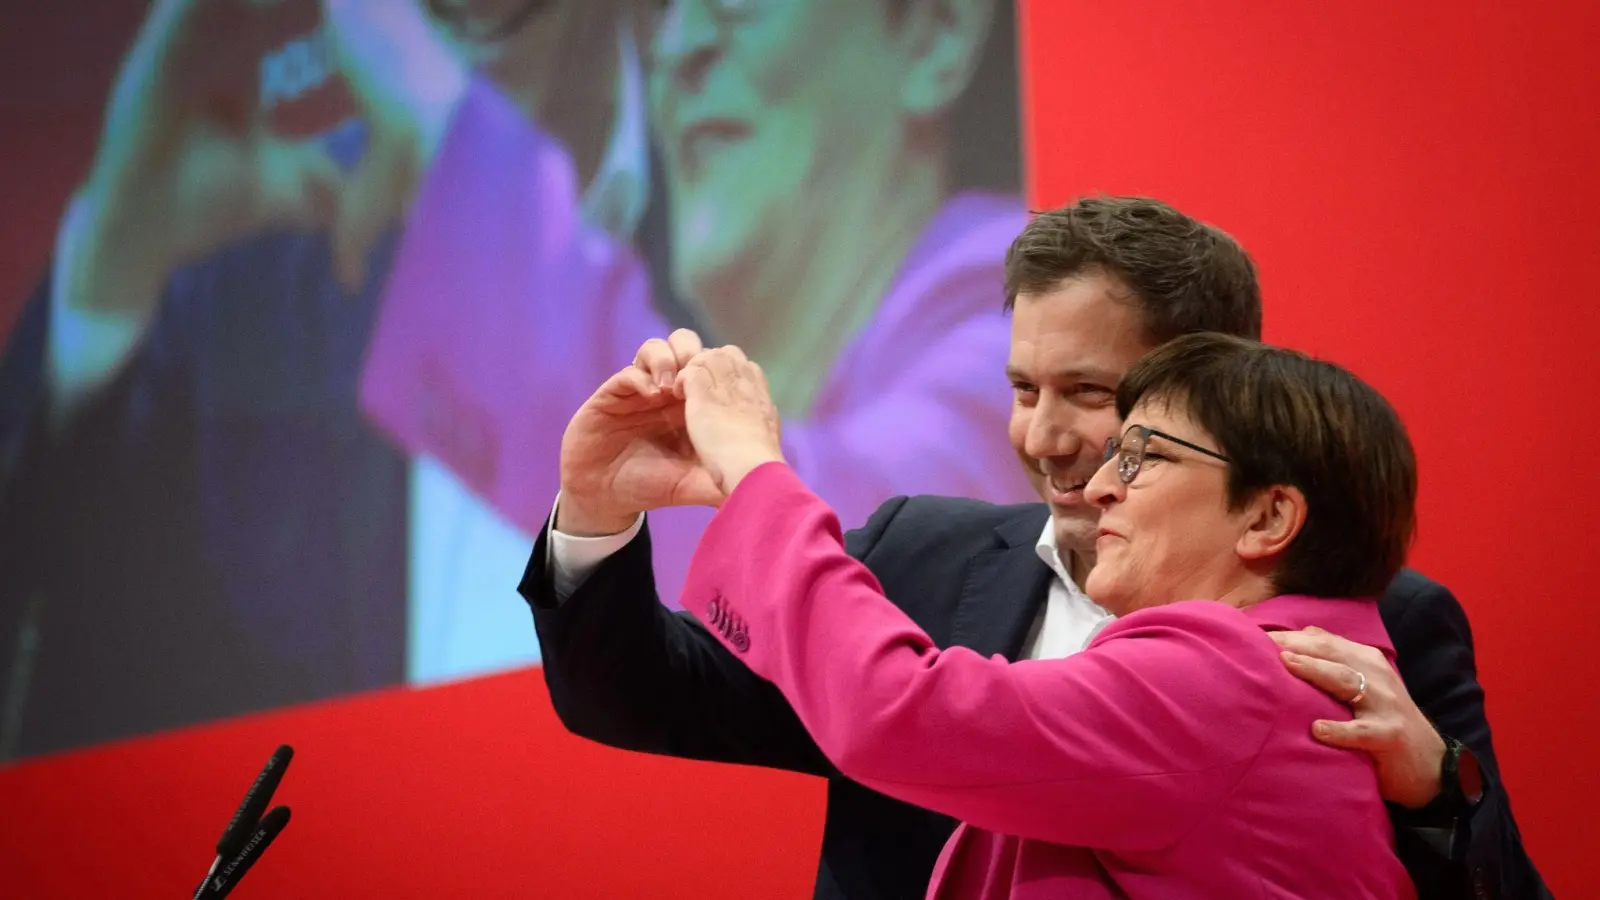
(624, 671)
(218, 530)
(221, 530)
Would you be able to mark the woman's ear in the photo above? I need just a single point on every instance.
(945, 40)
(1273, 518)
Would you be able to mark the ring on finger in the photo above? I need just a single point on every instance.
(1361, 690)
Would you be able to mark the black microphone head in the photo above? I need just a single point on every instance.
(256, 799)
(229, 875)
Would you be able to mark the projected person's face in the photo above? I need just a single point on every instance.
(768, 112)
(556, 59)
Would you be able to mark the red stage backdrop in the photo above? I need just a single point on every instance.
(1418, 188)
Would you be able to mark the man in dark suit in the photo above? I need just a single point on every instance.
(1094, 287)
(196, 519)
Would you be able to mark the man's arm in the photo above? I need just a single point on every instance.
(59, 356)
(625, 671)
(82, 463)
(1433, 644)
(76, 383)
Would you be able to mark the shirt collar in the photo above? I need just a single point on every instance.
(1050, 554)
(615, 200)
(1352, 618)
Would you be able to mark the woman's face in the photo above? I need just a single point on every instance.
(1169, 536)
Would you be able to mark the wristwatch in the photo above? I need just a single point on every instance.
(1445, 823)
(1460, 779)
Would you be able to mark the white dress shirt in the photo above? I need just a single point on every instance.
(1069, 620)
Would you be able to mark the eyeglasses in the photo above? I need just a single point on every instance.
(1129, 450)
(724, 12)
(672, 41)
(464, 25)
(726, 9)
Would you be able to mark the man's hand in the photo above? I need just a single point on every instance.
(186, 162)
(626, 451)
(1387, 724)
(407, 81)
(731, 419)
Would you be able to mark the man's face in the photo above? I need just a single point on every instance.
(768, 113)
(1069, 348)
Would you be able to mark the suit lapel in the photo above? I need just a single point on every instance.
(1005, 587)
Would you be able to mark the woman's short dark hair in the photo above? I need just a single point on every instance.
(1283, 418)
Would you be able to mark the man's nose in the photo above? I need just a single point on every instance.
(1051, 432)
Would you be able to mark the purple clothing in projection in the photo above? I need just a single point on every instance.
(505, 310)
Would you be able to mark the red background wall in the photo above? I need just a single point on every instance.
(1418, 188)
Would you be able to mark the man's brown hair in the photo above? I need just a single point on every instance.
(1184, 275)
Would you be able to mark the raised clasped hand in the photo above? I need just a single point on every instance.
(731, 420)
(626, 452)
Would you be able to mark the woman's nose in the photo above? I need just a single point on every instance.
(1106, 487)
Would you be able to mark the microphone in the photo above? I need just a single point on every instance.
(222, 883)
(255, 802)
(245, 826)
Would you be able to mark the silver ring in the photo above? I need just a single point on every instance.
(1361, 691)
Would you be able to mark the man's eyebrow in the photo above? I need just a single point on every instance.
(1016, 374)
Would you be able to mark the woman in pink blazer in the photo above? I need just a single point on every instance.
(1254, 489)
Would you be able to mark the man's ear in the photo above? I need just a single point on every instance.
(1273, 518)
(944, 40)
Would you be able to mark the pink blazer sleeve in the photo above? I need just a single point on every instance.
(1125, 746)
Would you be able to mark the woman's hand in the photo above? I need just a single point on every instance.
(729, 415)
(1387, 724)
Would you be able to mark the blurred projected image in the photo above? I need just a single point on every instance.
(283, 417)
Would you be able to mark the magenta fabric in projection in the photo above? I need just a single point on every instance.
(504, 311)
